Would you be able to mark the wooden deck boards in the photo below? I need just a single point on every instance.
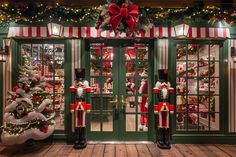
(123, 150)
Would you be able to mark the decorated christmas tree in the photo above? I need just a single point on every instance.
(29, 113)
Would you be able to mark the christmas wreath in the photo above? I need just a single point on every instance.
(121, 16)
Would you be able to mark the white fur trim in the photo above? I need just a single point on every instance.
(158, 84)
(80, 91)
(86, 83)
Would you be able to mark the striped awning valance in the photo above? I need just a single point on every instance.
(91, 32)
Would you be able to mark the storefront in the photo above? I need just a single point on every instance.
(122, 72)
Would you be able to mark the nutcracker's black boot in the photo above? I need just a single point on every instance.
(160, 137)
(78, 138)
(83, 141)
(167, 138)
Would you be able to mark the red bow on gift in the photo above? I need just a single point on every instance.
(128, 13)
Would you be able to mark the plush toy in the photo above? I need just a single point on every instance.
(130, 88)
(143, 101)
(79, 108)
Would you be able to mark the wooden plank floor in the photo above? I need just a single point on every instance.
(122, 150)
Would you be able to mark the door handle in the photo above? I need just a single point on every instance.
(115, 102)
(123, 102)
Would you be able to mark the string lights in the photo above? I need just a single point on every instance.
(39, 13)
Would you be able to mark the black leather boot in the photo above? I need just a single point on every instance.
(167, 138)
(77, 140)
(83, 141)
(160, 138)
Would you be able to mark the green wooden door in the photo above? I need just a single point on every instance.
(121, 83)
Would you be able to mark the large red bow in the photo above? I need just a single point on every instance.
(128, 13)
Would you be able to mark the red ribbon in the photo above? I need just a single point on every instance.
(128, 13)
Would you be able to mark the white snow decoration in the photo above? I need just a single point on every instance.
(37, 89)
(20, 91)
(12, 93)
(18, 100)
(9, 118)
(32, 133)
(11, 106)
(44, 104)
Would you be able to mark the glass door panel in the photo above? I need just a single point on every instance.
(119, 97)
(136, 88)
(101, 81)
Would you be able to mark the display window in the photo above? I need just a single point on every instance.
(49, 58)
(197, 87)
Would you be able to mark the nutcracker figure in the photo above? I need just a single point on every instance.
(163, 109)
(79, 107)
(143, 102)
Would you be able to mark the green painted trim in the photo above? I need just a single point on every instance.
(203, 138)
(67, 70)
(1, 95)
(224, 87)
(15, 62)
(172, 78)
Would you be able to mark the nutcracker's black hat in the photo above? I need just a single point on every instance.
(163, 74)
(79, 73)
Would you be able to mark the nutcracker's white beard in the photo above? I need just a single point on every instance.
(164, 91)
(80, 92)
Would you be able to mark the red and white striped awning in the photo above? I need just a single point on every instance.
(91, 32)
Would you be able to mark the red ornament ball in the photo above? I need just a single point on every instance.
(46, 109)
(36, 98)
(15, 88)
(44, 128)
(26, 88)
(14, 98)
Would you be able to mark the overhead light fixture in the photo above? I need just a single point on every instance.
(181, 30)
(55, 29)
(5, 49)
